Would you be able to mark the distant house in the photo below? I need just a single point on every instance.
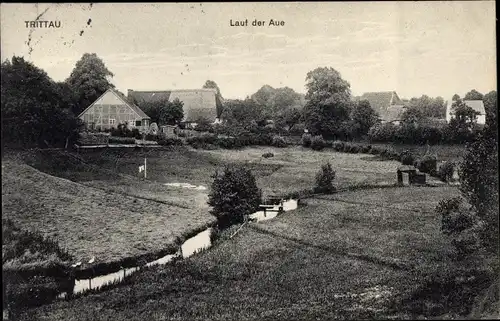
(112, 109)
(387, 104)
(477, 105)
(198, 103)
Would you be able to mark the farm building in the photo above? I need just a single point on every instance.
(198, 103)
(477, 105)
(387, 104)
(112, 109)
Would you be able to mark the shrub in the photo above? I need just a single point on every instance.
(93, 138)
(318, 143)
(376, 150)
(306, 140)
(446, 170)
(382, 132)
(205, 138)
(152, 137)
(121, 140)
(170, 141)
(324, 179)
(228, 142)
(234, 195)
(338, 146)
(355, 149)
(459, 221)
(267, 155)
(278, 141)
(366, 149)
(428, 164)
(407, 158)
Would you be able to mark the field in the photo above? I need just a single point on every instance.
(443, 152)
(291, 169)
(96, 204)
(90, 222)
(344, 256)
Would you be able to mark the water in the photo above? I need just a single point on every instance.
(196, 244)
(187, 185)
(191, 246)
(288, 205)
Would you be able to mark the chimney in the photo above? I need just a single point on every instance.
(129, 92)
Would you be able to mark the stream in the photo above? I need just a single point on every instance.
(191, 246)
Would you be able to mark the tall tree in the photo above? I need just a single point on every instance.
(89, 80)
(218, 96)
(363, 117)
(171, 113)
(328, 104)
(430, 107)
(473, 95)
(491, 109)
(34, 107)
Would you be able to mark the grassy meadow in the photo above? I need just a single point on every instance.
(95, 203)
(345, 256)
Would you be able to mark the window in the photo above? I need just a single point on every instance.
(112, 121)
(138, 123)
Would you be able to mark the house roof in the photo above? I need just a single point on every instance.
(386, 103)
(197, 102)
(124, 99)
(477, 105)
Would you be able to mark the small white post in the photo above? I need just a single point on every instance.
(145, 168)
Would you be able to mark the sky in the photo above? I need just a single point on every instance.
(436, 48)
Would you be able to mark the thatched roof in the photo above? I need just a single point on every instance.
(198, 103)
(386, 103)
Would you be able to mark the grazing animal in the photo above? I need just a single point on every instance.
(92, 260)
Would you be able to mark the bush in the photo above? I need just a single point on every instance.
(459, 221)
(407, 158)
(318, 143)
(267, 155)
(366, 149)
(234, 195)
(428, 164)
(338, 146)
(170, 141)
(376, 150)
(324, 179)
(93, 138)
(228, 142)
(121, 140)
(306, 140)
(445, 172)
(279, 141)
(205, 138)
(385, 132)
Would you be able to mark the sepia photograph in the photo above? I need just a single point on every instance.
(249, 161)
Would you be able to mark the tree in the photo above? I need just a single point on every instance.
(461, 126)
(491, 109)
(429, 107)
(234, 195)
(473, 95)
(171, 113)
(35, 109)
(89, 80)
(364, 117)
(324, 179)
(328, 102)
(243, 112)
(455, 97)
(218, 96)
(263, 95)
(479, 184)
